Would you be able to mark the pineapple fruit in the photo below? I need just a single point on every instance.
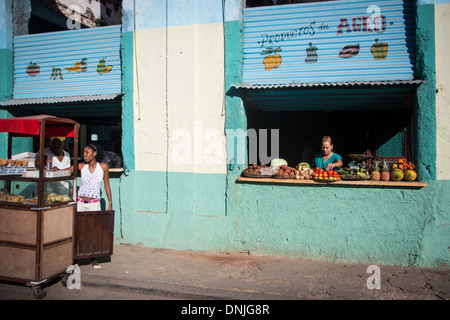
(385, 174)
(375, 171)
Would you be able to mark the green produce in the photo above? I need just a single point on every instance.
(275, 163)
(353, 174)
(303, 164)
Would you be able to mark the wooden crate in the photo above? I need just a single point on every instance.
(36, 245)
(94, 234)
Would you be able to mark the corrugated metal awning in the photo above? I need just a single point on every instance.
(19, 102)
(329, 84)
(68, 63)
(87, 106)
(328, 96)
(351, 40)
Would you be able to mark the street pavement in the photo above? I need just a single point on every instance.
(194, 284)
(178, 274)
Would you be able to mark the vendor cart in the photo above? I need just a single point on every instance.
(36, 227)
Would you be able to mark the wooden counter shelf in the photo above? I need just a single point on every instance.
(21, 178)
(338, 183)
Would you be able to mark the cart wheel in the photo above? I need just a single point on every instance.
(38, 292)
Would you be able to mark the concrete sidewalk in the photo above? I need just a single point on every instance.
(217, 276)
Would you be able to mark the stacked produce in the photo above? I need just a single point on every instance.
(385, 174)
(279, 169)
(354, 174)
(375, 171)
(285, 172)
(326, 174)
(380, 170)
(304, 171)
(403, 170)
(260, 170)
(253, 169)
(276, 163)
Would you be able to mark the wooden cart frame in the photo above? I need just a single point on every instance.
(40, 242)
(37, 240)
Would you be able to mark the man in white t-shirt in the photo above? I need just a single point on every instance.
(56, 155)
(56, 158)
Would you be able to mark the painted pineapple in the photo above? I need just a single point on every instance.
(385, 174)
(375, 171)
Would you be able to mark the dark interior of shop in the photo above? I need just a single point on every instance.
(357, 130)
(100, 122)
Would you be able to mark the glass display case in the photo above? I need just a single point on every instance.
(23, 192)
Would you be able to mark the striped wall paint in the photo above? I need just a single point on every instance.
(150, 13)
(179, 90)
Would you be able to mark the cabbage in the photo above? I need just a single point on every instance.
(275, 163)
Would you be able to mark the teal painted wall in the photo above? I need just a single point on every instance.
(186, 224)
(361, 225)
(127, 101)
(6, 53)
(425, 108)
(364, 225)
(235, 109)
(6, 74)
(436, 235)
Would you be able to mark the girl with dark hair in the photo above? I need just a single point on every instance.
(93, 172)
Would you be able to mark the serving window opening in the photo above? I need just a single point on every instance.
(378, 122)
